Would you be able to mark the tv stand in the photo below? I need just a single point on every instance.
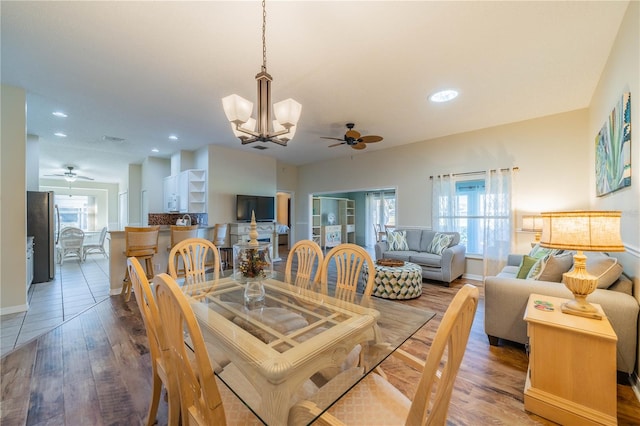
(239, 233)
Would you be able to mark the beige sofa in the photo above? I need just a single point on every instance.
(506, 298)
(444, 267)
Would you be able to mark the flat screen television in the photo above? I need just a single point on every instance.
(264, 207)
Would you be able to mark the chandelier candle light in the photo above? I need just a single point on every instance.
(581, 231)
(238, 110)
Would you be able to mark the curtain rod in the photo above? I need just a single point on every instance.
(476, 173)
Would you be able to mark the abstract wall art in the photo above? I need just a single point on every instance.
(613, 149)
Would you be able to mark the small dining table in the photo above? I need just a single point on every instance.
(298, 342)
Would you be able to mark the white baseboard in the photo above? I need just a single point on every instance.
(473, 277)
(14, 309)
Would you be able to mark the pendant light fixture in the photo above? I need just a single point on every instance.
(238, 110)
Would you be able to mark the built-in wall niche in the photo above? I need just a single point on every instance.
(333, 221)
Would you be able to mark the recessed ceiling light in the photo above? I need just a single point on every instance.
(60, 134)
(443, 95)
(155, 150)
(60, 114)
(173, 137)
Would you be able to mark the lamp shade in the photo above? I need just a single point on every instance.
(237, 109)
(277, 128)
(532, 223)
(249, 125)
(287, 112)
(582, 230)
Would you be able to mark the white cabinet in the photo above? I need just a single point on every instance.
(186, 192)
(170, 194)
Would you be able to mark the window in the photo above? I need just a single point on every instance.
(77, 211)
(470, 214)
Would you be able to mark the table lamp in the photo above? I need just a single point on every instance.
(581, 231)
(532, 223)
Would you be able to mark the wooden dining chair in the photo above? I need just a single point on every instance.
(375, 401)
(196, 255)
(158, 347)
(180, 233)
(141, 243)
(309, 257)
(202, 398)
(348, 259)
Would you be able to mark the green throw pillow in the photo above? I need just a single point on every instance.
(525, 266)
(439, 243)
(397, 241)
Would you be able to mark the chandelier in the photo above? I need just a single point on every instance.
(238, 110)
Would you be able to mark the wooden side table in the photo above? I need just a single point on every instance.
(572, 366)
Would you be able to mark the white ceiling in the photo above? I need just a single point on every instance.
(144, 70)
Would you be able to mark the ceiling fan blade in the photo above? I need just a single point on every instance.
(84, 177)
(359, 145)
(54, 175)
(352, 134)
(334, 139)
(337, 144)
(371, 139)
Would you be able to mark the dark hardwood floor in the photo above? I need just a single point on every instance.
(95, 370)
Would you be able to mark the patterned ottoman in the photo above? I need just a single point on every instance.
(396, 282)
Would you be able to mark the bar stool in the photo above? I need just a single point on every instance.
(178, 234)
(141, 243)
(220, 241)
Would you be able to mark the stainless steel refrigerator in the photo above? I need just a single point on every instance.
(41, 226)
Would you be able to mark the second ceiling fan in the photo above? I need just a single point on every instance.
(354, 139)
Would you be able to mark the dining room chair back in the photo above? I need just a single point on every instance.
(97, 246)
(70, 243)
(376, 401)
(141, 243)
(158, 347)
(348, 260)
(220, 234)
(308, 256)
(198, 257)
(200, 400)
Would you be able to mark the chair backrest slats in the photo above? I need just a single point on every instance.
(197, 256)
(348, 259)
(431, 401)
(199, 395)
(309, 257)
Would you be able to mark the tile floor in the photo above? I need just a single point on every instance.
(76, 287)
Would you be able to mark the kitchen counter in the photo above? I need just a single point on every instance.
(118, 260)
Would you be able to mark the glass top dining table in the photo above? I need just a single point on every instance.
(298, 343)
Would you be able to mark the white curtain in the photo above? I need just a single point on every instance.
(498, 219)
(444, 204)
(492, 230)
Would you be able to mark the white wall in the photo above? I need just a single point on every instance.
(154, 170)
(33, 162)
(232, 172)
(621, 74)
(134, 190)
(554, 170)
(13, 201)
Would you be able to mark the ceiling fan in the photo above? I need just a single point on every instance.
(70, 175)
(353, 138)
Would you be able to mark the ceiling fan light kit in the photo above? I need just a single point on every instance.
(238, 110)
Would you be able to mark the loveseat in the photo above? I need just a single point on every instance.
(440, 260)
(506, 298)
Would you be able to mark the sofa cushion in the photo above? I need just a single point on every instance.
(540, 252)
(603, 266)
(439, 243)
(537, 267)
(400, 254)
(426, 259)
(555, 266)
(397, 240)
(413, 238)
(525, 266)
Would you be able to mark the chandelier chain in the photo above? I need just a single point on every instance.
(264, 37)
